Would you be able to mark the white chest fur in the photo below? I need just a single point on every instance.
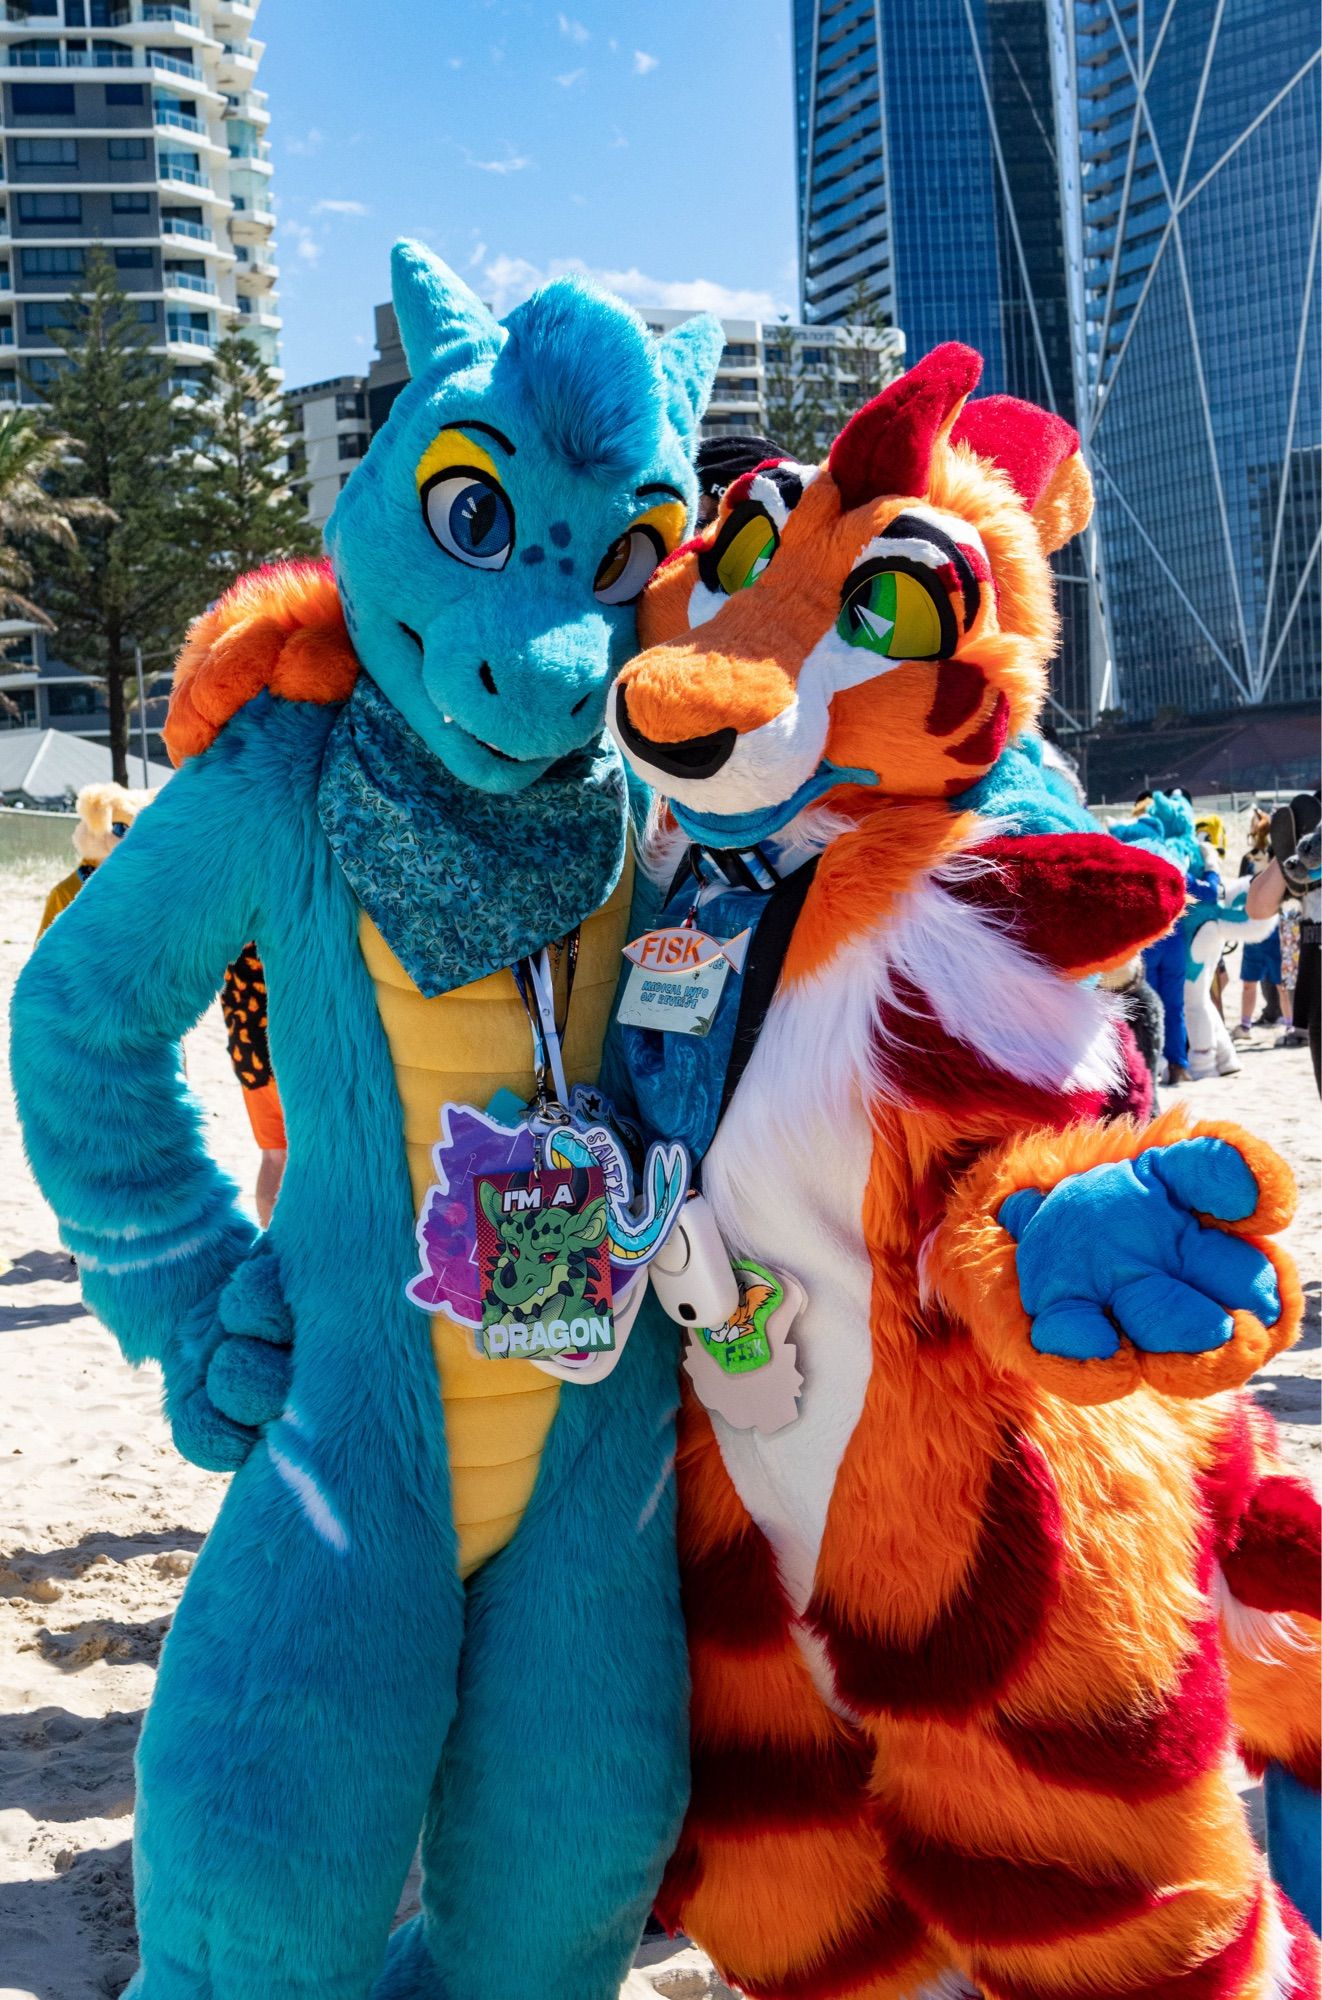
(794, 1201)
(788, 1171)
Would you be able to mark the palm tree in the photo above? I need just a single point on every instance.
(29, 452)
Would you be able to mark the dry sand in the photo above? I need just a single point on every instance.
(100, 1521)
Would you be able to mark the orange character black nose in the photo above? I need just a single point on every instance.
(694, 757)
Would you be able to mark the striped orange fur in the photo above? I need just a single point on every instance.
(989, 1743)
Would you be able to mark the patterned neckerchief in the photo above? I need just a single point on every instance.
(459, 882)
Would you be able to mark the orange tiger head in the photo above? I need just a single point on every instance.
(885, 619)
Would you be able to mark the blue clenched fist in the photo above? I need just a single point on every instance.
(1119, 1247)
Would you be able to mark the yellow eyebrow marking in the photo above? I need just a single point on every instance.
(669, 519)
(454, 447)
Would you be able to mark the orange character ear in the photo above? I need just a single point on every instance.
(1065, 506)
(887, 446)
(1039, 454)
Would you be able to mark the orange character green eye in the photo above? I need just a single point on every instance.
(893, 607)
(741, 552)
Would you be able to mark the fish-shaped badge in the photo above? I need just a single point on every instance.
(676, 976)
(684, 948)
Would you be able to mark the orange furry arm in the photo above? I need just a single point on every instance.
(972, 1263)
(280, 630)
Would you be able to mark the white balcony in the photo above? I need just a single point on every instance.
(248, 223)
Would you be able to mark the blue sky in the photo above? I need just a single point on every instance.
(652, 145)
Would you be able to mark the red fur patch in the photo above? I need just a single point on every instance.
(1143, 1752)
(1305, 1953)
(887, 446)
(883, 1943)
(1076, 900)
(1225, 1489)
(982, 1638)
(986, 1899)
(987, 742)
(1276, 1564)
(763, 1787)
(733, 1597)
(930, 1070)
(1135, 1097)
(1025, 443)
(959, 691)
(1220, 1977)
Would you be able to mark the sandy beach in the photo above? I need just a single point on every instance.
(100, 1521)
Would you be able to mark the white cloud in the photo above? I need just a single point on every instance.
(619, 141)
(642, 62)
(511, 279)
(340, 208)
(513, 163)
(305, 243)
(569, 78)
(477, 255)
(311, 142)
(455, 62)
(574, 31)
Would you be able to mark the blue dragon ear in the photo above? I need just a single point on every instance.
(690, 355)
(434, 308)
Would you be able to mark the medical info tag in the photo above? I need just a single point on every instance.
(746, 1371)
(676, 978)
(543, 1261)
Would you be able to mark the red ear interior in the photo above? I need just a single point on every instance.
(1025, 442)
(887, 447)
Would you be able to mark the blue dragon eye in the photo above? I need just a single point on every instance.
(469, 516)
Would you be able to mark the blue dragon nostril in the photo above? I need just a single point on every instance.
(487, 678)
(580, 705)
(409, 633)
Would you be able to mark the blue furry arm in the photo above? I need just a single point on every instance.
(111, 1130)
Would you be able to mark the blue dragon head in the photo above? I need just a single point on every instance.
(492, 545)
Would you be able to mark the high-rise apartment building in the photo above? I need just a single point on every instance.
(1118, 206)
(137, 125)
(328, 436)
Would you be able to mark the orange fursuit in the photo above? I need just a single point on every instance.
(973, 1639)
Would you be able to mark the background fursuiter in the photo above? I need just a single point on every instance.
(329, 1686)
(964, 1672)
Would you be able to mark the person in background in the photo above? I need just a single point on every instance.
(105, 814)
(1142, 804)
(1261, 962)
(722, 460)
(1205, 885)
(243, 1004)
(1290, 1036)
(1296, 869)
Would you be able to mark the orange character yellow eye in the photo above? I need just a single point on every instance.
(890, 606)
(742, 550)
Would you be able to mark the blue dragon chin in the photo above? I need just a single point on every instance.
(490, 548)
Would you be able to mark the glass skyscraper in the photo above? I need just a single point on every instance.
(1117, 204)
(927, 142)
(1200, 209)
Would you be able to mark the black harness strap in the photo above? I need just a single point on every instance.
(762, 967)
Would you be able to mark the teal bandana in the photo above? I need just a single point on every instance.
(460, 882)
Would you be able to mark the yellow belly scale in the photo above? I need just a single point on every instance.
(463, 1047)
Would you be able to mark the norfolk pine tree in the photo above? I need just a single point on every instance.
(133, 575)
(244, 512)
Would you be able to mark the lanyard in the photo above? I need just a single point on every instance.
(535, 978)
